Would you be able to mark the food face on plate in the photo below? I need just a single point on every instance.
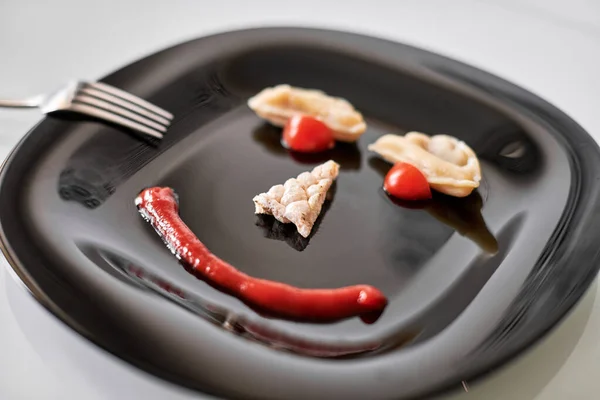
(313, 121)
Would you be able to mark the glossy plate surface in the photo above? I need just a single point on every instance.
(72, 233)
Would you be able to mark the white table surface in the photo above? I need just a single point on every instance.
(550, 47)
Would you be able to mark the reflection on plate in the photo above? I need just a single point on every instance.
(462, 214)
(138, 276)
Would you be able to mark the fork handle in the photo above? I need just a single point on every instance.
(32, 102)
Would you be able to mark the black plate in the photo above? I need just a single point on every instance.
(72, 234)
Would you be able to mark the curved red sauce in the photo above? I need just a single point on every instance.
(159, 206)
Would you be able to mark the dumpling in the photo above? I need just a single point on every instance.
(450, 165)
(279, 103)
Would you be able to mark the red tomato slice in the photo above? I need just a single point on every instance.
(307, 134)
(405, 181)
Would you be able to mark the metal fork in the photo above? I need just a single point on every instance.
(101, 101)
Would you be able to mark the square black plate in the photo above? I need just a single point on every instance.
(72, 234)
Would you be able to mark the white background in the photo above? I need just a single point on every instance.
(550, 47)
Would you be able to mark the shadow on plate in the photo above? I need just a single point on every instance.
(95, 169)
(462, 214)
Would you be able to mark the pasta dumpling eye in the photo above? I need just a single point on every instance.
(280, 103)
(450, 165)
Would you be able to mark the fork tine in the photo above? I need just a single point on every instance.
(125, 104)
(108, 116)
(82, 98)
(131, 98)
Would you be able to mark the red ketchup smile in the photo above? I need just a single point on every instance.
(160, 207)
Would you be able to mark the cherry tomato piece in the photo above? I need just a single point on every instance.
(405, 181)
(307, 134)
